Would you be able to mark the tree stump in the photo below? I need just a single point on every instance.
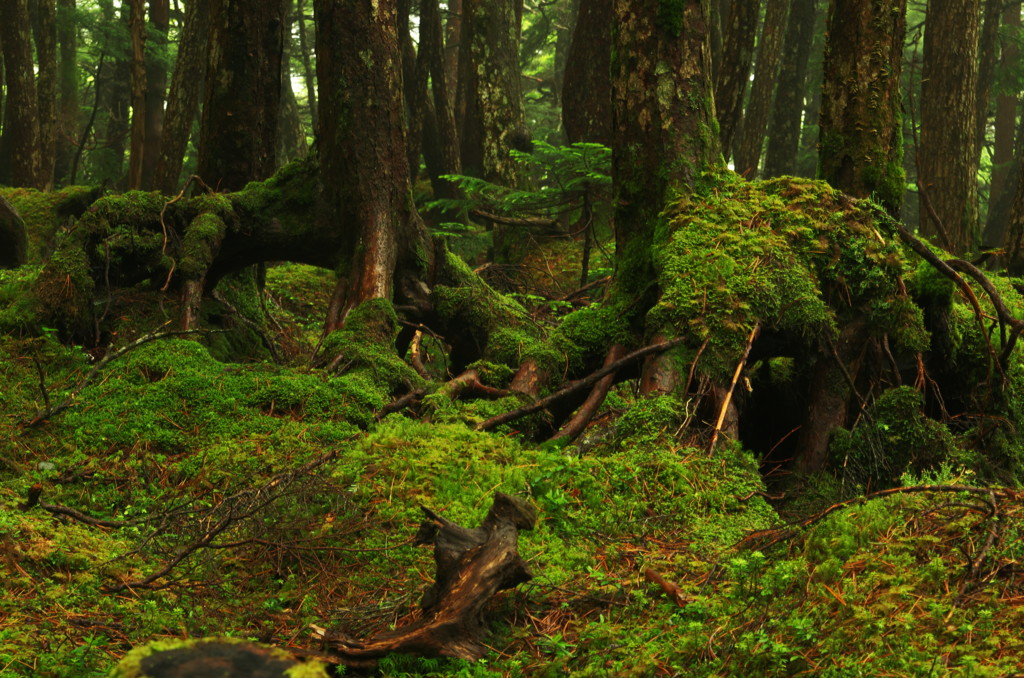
(472, 566)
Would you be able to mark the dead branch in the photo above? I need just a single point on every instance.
(732, 387)
(472, 566)
(468, 384)
(577, 385)
(410, 398)
(575, 426)
(416, 355)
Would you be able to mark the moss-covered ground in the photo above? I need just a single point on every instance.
(651, 556)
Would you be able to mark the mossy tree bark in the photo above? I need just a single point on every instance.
(738, 35)
(364, 170)
(183, 97)
(67, 90)
(948, 167)
(750, 138)
(587, 90)
(20, 161)
(861, 148)
(491, 99)
(243, 92)
(1005, 129)
(156, 86)
(664, 124)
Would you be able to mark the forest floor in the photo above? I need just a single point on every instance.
(182, 496)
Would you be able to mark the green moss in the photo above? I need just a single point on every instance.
(45, 212)
(201, 243)
(791, 255)
(895, 438)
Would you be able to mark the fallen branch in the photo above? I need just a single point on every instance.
(732, 387)
(577, 385)
(575, 426)
(472, 566)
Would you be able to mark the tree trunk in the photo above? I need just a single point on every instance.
(137, 30)
(305, 50)
(441, 142)
(67, 90)
(861, 147)
(948, 157)
(1005, 126)
(663, 122)
(737, 51)
(787, 113)
(291, 137)
(364, 169)
(183, 98)
(750, 139)
(20, 162)
(156, 88)
(587, 94)
(489, 81)
(46, 51)
(243, 92)
(414, 87)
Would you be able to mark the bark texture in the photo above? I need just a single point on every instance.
(46, 84)
(787, 113)
(67, 90)
(861, 148)
(664, 123)
(183, 98)
(1005, 127)
(489, 85)
(738, 35)
(587, 91)
(20, 161)
(750, 139)
(364, 169)
(947, 168)
(243, 92)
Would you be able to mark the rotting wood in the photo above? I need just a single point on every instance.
(472, 566)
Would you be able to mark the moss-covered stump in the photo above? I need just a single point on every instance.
(213, 658)
(813, 270)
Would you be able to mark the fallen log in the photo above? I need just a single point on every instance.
(473, 564)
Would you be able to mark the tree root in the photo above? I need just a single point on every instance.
(575, 426)
(577, 385)
(472, 566)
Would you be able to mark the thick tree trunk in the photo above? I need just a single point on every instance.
(137, 30)
(20, 162)
(747, 152)
(243, 92)
(489, 81)
(46, 83)
(947, 169)
(787, 113)
(737, 52)
(861, 148)
(663, 133)
(156, 89)
(587, 94)
(183, 98)
(364, 169)
(67, 90)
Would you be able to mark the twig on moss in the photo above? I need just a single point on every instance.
(577, 385)
(68, 401)
(575, 426)
(732, 387)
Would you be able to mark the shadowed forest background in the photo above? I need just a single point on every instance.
(685, 332)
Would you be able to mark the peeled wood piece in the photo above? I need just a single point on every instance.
(472, 566)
